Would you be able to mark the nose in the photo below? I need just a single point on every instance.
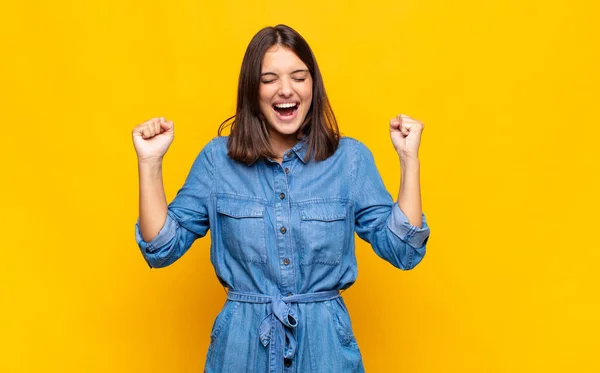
(285, 88)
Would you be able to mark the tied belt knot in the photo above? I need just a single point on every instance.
(276, 329)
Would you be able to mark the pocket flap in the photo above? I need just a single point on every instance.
(325, 211)
(240, 208)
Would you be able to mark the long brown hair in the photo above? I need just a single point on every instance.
(249, 137)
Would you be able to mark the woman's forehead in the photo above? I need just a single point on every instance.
(279, 57)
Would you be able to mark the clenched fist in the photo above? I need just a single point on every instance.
(152, 138)
(405, 133)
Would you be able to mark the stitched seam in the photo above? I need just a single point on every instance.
(410, 256)
(354, 162)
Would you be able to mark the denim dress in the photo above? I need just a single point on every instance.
(282, 243)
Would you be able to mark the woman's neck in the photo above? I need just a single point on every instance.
(281, 143)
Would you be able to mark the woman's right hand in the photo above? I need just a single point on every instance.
(152, 139)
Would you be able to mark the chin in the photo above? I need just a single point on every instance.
(286, 127)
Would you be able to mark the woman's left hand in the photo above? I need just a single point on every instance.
(405, 133)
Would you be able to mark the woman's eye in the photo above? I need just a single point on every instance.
(268, 81)
(299, 79)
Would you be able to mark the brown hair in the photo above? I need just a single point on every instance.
(249, 137)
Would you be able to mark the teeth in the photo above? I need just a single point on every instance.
(286, 105)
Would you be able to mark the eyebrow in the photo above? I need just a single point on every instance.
(293, 72)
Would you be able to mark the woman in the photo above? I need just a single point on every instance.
(282, 196)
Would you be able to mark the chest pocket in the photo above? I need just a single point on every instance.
(323, 227)
(242, 226)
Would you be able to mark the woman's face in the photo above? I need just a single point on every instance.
(285, 92)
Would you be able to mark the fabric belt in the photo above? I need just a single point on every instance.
(276, 329)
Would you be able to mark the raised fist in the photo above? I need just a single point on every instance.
(152, 138)
(405, 133)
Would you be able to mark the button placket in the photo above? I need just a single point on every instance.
(282, 221)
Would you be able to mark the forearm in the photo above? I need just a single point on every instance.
(153, 202)
(409, 195)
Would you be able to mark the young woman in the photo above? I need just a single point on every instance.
(282, 196)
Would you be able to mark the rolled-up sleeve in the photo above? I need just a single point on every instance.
(379, 220)
(411, 234)
(187, 215)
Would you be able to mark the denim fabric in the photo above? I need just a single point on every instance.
(279, 233)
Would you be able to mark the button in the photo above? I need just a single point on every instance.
(289, 294)
(287, 362)
(286, 170)
(286, 261)
(288, 154)
(281, 195)
(283, 230)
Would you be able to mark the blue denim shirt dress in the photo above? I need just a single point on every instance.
(282, 243)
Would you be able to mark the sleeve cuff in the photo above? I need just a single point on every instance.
(411, 234)
(166, 234)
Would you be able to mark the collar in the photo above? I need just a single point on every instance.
(300, 149)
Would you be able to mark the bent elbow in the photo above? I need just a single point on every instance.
(159, 257)
(403, 255)
(413, 257)
(160, 250)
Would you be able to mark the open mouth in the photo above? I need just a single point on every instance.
(286, 110)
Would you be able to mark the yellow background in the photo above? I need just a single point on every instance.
(507, 90)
